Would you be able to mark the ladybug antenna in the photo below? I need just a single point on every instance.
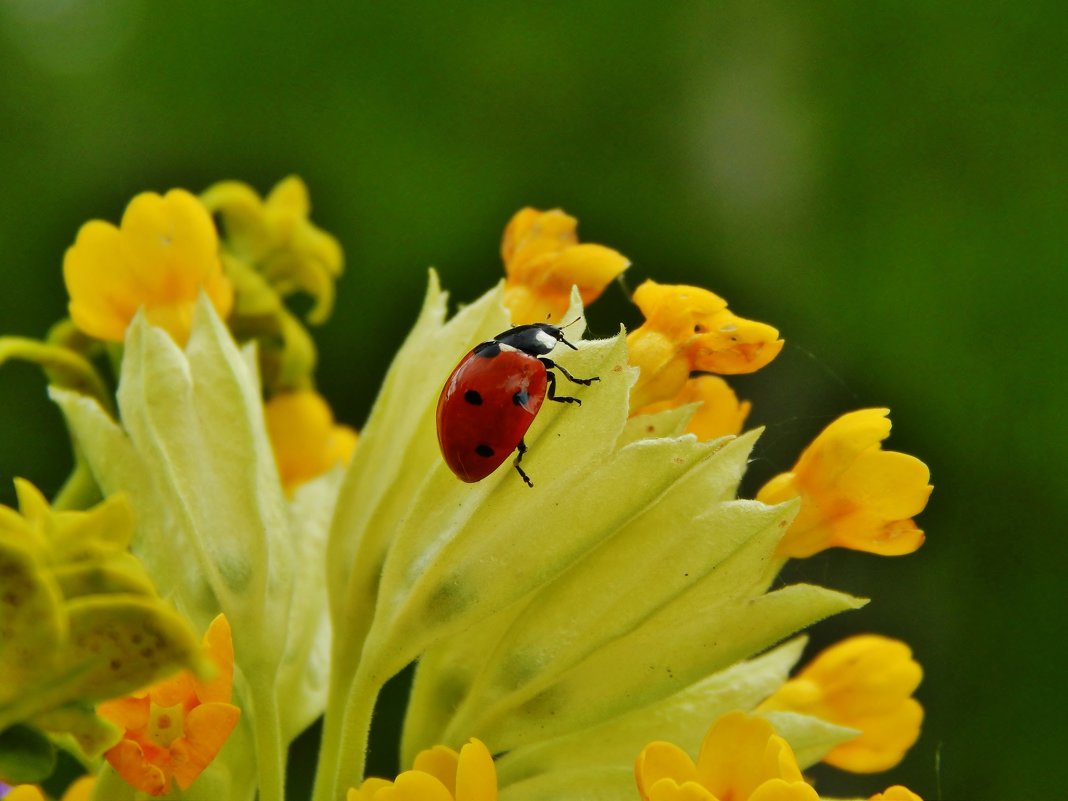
(560, 330)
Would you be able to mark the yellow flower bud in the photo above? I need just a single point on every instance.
(543, 260)
(688, 329)
(276, 235)
(306, 440)
(866, 683)
(853, 493)
(720, 412)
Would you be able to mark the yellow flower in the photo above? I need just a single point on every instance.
(277, 236)
(78, 791)
(866, 683)
(306, 440)
(741, 759)
(439, 774)
(688, 329)
(896, 793)
(853, 493)
(160, 258)
(175, 728)
(720, 412)
(543, 260)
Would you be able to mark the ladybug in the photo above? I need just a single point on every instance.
(493, 395)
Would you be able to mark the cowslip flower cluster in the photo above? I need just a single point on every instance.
(628, 602)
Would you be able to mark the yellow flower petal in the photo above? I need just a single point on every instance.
(414, 785)
(476, 776)
(80, 790)
(741, 752)
(438, 773)
(440, 762)
(688, 329)
(853, 493)
(543, 260)
(367, 791)
(25, 792)
(896, 793)
(720, 412)
(779, 790)
(306, 440)
(670, 790)
(164, 253)
(659, 761)
(741, 759)
(864, 682)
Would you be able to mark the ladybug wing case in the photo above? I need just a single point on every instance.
(485, 408)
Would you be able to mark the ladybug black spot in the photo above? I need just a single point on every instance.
(521, 398)
(482, 449)
(472, 397)
(487, 350)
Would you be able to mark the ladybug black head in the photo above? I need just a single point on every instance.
(536, 339)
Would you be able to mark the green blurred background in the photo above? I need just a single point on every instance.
(883, 181)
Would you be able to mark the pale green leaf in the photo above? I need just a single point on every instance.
(682, 718)
(676, 646)
(668, 423)
(578, 784)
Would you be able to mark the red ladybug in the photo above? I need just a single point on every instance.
(492, 396)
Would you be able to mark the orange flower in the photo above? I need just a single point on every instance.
(160, 258)
(175, 728)
(720, 412)
(688, 329)
(439, 774)
(866, 683)
(741, 759)
(543, 260)
(306, 440)
(853, 493)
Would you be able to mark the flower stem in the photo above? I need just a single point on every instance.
(344, 748)
(270, 751)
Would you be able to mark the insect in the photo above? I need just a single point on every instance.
(493, 395)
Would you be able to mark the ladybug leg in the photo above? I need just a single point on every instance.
(551, 365)
(522, 448)
(550, 390)
(550, 376)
